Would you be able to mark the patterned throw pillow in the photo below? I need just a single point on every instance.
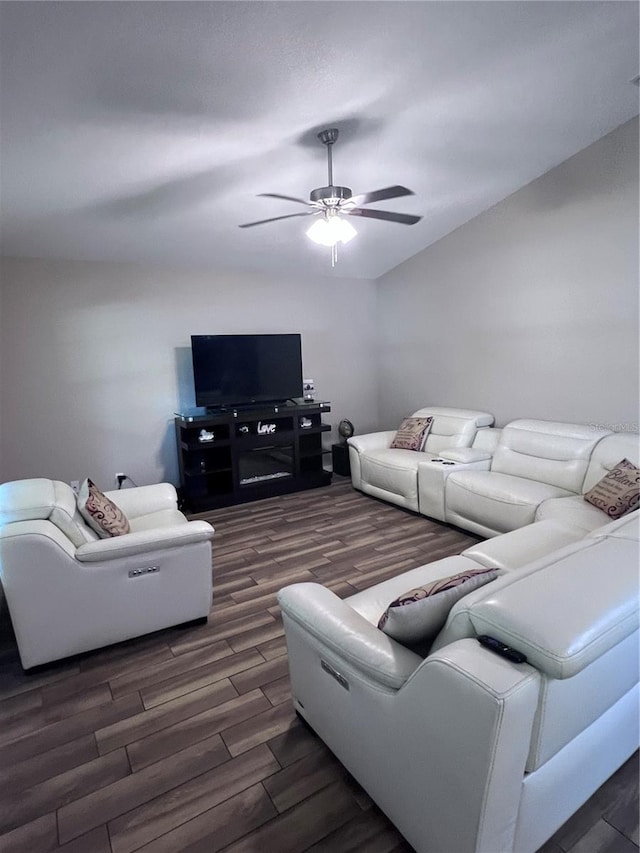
(618, 492)
(412, 433)
(101, 514)
(419, 614)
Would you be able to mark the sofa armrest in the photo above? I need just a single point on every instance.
(371, 441)
(361, 444)
(144, 500)
(144, 542)
(433, 472)
(347, 634)
(464, 455)
(471, 713)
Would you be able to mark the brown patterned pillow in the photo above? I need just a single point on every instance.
(618, 492)
(419, 614)
(412, 433)
(101, 514)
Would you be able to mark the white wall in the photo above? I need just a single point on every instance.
(96, 358)
(529, 310)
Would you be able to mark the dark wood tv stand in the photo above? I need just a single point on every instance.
(254, 453)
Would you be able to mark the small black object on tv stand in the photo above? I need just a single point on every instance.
(244, 454)
(270, 405)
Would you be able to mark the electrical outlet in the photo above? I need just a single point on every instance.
(75, 485)
(120, 478)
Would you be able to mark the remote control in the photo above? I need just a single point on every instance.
(500, 649)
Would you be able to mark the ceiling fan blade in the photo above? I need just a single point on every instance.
(276, 218)
(402, 218)
(381, 195)
(285, 197)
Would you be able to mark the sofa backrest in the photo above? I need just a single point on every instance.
(547, 451)
(487, 439)
(452, 427)
(608, 452)
(577, 623)
(560, 630)
(45, 500)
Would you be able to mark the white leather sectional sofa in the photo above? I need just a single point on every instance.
(490, 481)
(463, 749)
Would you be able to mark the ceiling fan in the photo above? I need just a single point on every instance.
(332, 203)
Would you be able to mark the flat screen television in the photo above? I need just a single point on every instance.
(238, 370)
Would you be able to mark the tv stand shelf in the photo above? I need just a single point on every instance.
(254, 453)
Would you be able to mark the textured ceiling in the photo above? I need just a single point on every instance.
(144, 131)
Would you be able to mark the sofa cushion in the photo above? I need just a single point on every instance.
(143, 500)
(573, 511)
(546, 451)
(26, 500)
(419, 614)
(65, 515)
(39, 498)
(608, 452)
(618, 492)
(627, 527)
(500, 502)
(452, 427)
(520, 547)
(157, 520)
(371, 602)
(392, 470)
(412, 434)
(458, 625)
(100, 513)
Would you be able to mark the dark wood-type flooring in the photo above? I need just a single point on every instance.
(186, 740)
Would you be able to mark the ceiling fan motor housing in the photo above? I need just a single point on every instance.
(331, 194)
(329, 136)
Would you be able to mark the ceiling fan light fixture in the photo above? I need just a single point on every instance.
(328, 203)
(328, 231)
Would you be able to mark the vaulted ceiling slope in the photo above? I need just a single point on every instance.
(143, 131)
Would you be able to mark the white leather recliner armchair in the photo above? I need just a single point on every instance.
(69, 591)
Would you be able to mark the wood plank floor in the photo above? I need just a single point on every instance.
(186, 740)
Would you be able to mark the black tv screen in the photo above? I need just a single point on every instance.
(236, 370)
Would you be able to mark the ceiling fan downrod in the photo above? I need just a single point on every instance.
(330, 195)
(328, 137)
